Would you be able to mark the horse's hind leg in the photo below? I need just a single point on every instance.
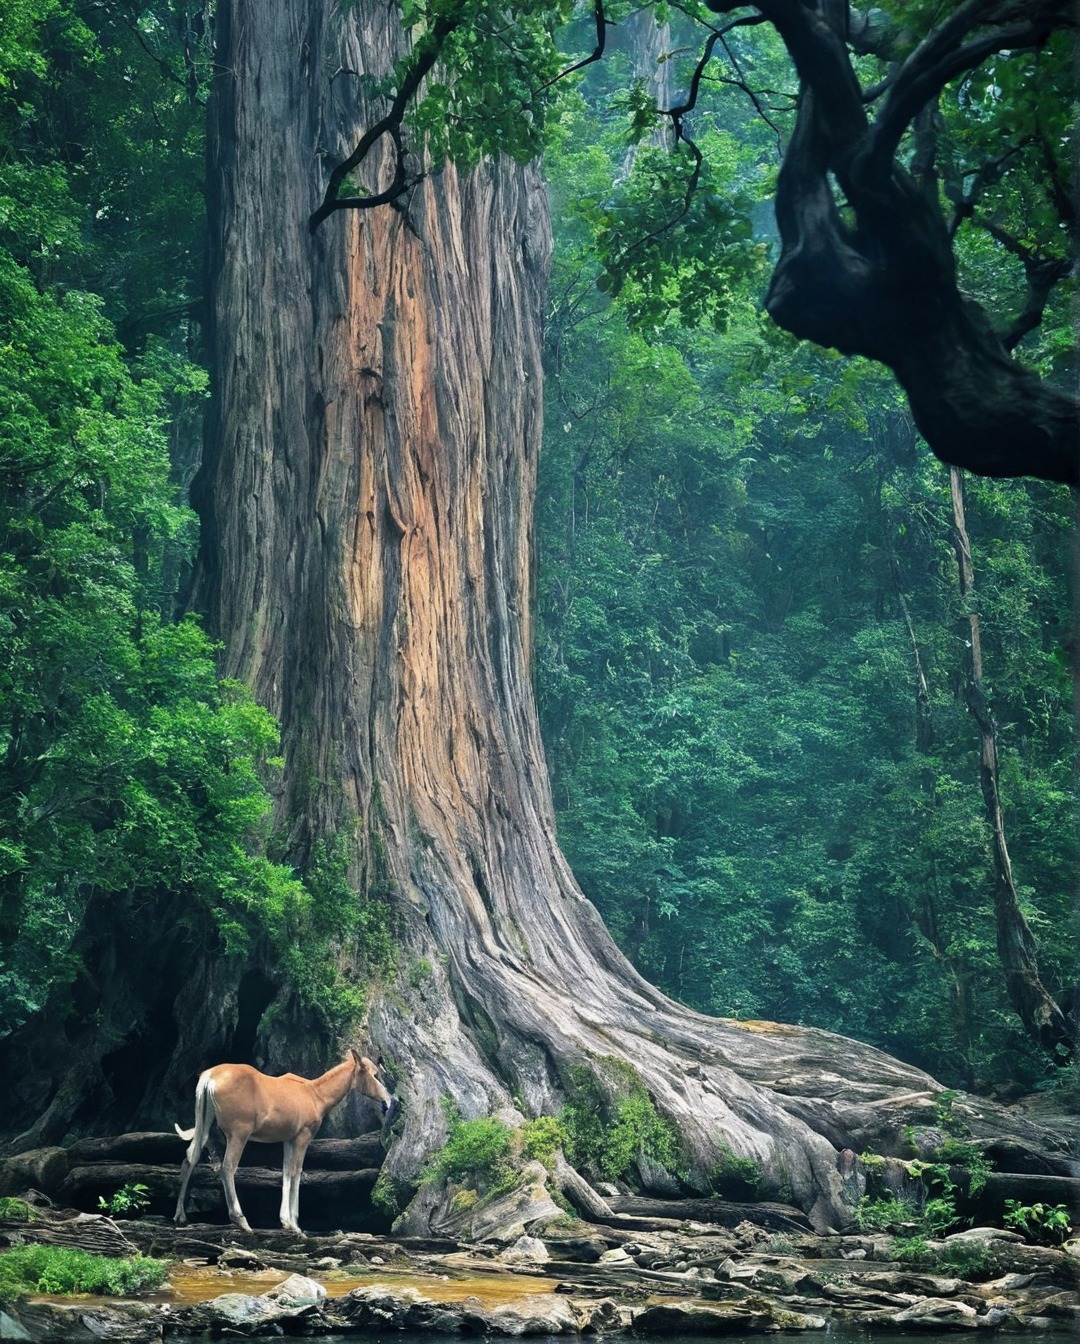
(229, 1163)
(180, 1217)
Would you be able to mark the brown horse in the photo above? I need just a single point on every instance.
(248, 1104)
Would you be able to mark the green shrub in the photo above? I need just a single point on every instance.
(736, 1177)
(127, 1202)
(478, 1151)
(16, 1210)
(606, 1133)
(965, 1258)
(962, 1153)
(542, 1138)
(64, 1269)
(1043, 1224)
(912, 1250)
(884, 1213)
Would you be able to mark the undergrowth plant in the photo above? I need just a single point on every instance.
(127, 1202)
(607, 1131)
(66, 1269)
(1042, 1224)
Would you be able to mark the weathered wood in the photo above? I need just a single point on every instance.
(723, 1212)
(161, 1147)
(104, 1178)
(87, 1231)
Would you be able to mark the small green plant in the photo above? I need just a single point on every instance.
(912, 1250)
(542, 1138)
(962, 1153)
(608, 1129)
(64, 1269)
(478, 1151)
(965, 1258)
(945, 1116)
(885, 1213)
(384, 1195)
(1042, 1224)
(16, 1210)
(127, 1202)
(735, 1177)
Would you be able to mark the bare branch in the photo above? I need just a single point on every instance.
(597, 52)
(425, 55)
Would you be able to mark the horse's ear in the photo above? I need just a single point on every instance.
(357, 1058)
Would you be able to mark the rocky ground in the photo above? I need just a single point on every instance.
(673, 1277)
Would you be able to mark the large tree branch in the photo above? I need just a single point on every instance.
(945, 53)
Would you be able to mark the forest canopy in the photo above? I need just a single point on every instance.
(906, 134)
(779, 771)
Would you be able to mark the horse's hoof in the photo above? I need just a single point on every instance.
(242, 1224)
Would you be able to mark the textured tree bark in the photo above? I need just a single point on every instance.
(368, 544)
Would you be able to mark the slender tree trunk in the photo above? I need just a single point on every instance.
(1041, 1016)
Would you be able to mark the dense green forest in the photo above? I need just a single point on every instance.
(754, 615)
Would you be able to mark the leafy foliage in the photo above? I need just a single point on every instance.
(1043, 1224)
(749, 669)
(65, 1269)
(610, 1120)
(127, 766)
(127, 1202)
(478, 1151)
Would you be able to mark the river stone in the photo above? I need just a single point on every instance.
(298, 1290)
(722, 1318)
(922, 1285)
(246, 1313)
(51, 1323)
(526, 1250)
(382, 1308)
(535, 1314)
(937, 1312)
(984, 1234)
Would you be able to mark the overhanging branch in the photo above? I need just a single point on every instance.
(425, 55)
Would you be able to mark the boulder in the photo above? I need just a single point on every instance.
(937, 1313)
(526, 1250)
(748, 1315)
(245, 1314)
(297, 1290)
(984, 1234)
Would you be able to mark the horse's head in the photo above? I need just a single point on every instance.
(366, 1080)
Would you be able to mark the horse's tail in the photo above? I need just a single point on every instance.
(204, 1118)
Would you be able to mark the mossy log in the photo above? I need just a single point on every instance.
(722, 1212)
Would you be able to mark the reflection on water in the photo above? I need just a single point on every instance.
(189, 1284)
(831, 1335)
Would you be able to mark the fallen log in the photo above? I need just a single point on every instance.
(989, 1202)
(162, 1147)
(724, 1212)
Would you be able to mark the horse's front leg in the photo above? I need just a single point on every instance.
(229, 1163)
(295, 1151)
